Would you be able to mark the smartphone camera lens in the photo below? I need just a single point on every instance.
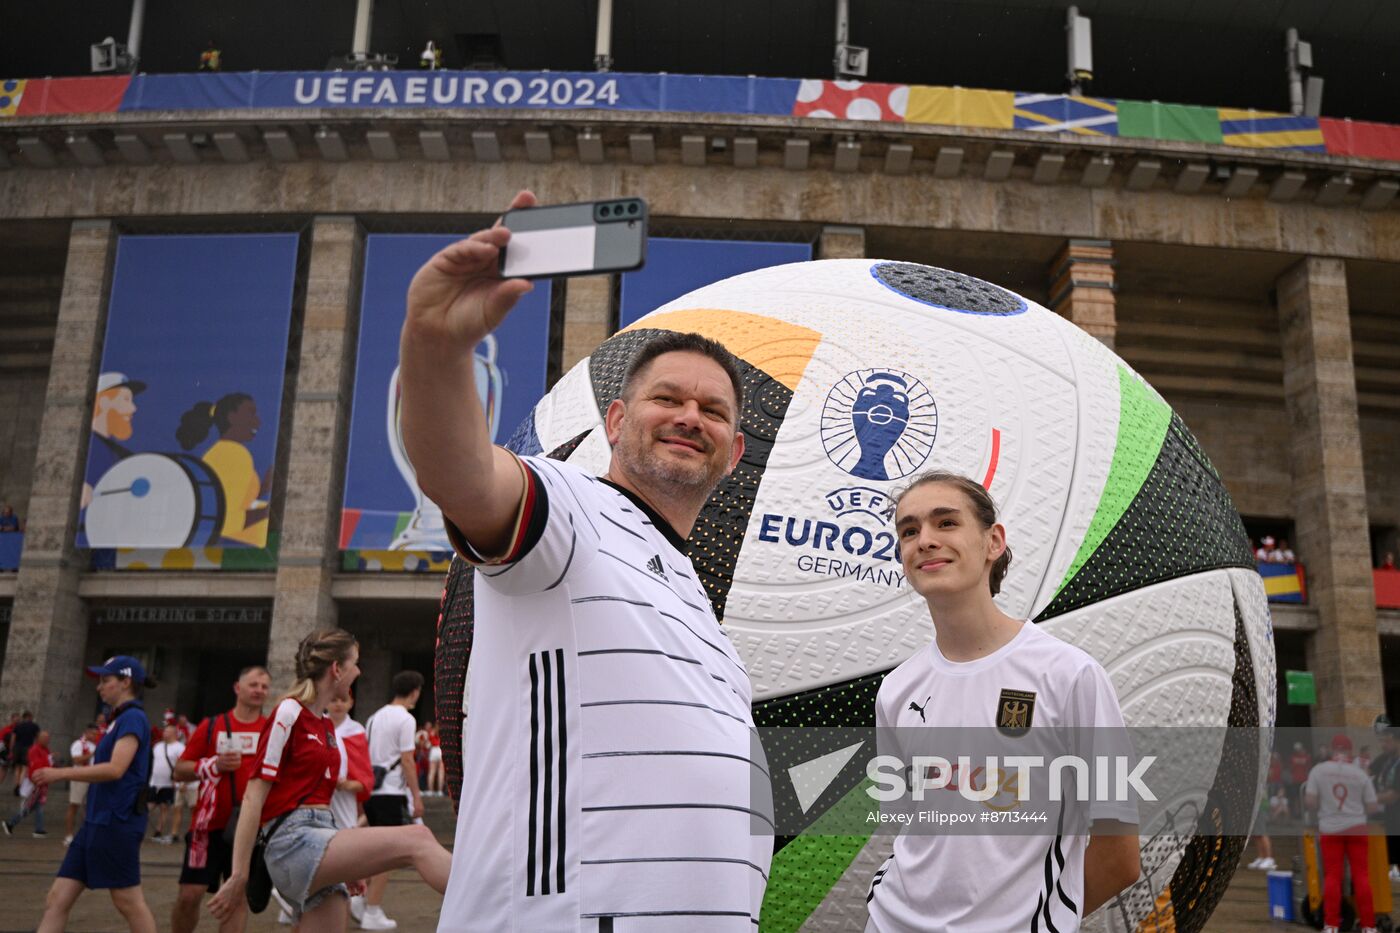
(604, 211)
(632, 208)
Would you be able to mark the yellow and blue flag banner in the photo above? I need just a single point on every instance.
(1062, 113)
(1284, 583)
(11, 91)
(1260, 129)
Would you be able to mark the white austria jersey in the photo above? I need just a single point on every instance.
(1343, 793)
(970, 883)
(612, 778)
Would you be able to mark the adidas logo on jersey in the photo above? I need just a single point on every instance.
(656, 567)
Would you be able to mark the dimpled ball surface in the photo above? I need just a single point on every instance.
(860, 375)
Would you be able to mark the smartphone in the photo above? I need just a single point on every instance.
(575, 239)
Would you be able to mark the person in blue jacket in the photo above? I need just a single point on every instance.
(106, 852)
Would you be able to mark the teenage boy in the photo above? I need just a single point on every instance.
(988, 671)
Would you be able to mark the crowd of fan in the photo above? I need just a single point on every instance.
(179, 811)
(1270, 551)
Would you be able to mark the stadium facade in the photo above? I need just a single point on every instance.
(1246, 263)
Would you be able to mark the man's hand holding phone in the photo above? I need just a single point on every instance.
(458, 296)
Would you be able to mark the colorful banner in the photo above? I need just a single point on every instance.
(1259, 129)
(851, 100)
(1387, 584)
(188, 400)
(809, 98)
(1359, 138)
(677, 266)
(11, 546)
(383, 508)
(960, 106)
(1179, 122)
(1284, 583)
(1062, 113)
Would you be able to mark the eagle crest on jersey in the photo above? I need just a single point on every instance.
(1015, 712)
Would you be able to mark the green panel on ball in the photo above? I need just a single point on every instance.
(805, 870)
(1142, 427)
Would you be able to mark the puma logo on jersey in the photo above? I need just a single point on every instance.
(656, 567)
(920, 709)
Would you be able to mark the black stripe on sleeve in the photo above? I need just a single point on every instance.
(547, 830)
(534, 775)
(563, 764)
(573, 545)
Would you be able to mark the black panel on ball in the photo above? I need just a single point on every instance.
(946, 289)
(1181, 522)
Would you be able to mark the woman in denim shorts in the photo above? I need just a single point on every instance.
(298, 764)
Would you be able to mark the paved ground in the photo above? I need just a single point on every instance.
(27, 866)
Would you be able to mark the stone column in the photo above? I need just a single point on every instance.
(1082, 288)
(1329, 491)
(587, 316)
(841, 243)
(49, 624)
(310, 549)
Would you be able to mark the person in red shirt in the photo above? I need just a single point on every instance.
(298, 761)
(437, 771)
(220, 755)
(34, 796)
(5, 742)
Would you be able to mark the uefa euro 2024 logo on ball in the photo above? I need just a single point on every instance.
(879, 424)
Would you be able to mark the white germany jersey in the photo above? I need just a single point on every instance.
(952, 883)
(609, 752)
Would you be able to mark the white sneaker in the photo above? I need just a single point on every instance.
(374, 919)
(1267, 864)
(68, 841)
(1330, 930)
(357, 907)
(1395, 873)
(286, 909)
(1255, 864)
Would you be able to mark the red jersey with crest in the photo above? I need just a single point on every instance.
(298, 755)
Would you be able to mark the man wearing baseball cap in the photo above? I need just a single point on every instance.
(1343, 797)
(106, 850)
(112, 411)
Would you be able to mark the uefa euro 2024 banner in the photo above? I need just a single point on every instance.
(188, 401)
(384, 510)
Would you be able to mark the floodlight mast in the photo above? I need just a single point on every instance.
(843, 32)
(1079, 33)
(133, 33)
(602, 47)
(364, 14)
(1303, 99)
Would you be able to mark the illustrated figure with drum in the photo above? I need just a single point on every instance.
(174, 500)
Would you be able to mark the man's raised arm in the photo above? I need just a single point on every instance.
(454, 301)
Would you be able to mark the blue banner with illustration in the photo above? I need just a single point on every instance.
(386, 519)
(677, 266)
(188, 400)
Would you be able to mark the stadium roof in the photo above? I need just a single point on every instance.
(1210, 52)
